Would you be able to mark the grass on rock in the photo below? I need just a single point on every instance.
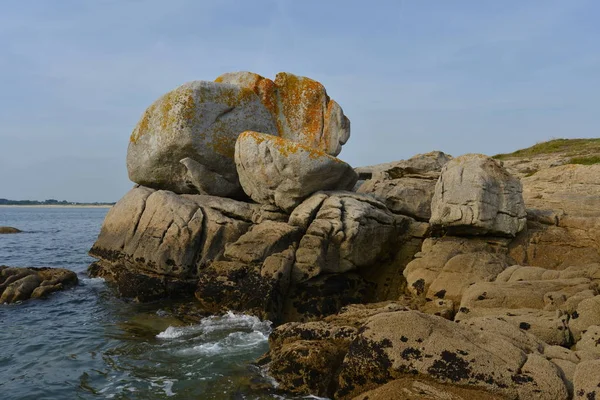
(584, 150)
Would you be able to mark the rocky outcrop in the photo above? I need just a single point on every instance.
(344, 232)
(153, 243)
(556, 306)
(406, 187)
(476, 195)
(563, 218)
(487, 283)
(273, 170)
(18, 284)
(247, 257)
(350, 354)
(8, 229)
(301, 109)
(185, 140)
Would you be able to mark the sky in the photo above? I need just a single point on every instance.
(413, 76)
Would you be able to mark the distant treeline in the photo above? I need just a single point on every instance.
(48, 202)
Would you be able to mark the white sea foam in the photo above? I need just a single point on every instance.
(171, 333)
(228, 322)
(92, 281)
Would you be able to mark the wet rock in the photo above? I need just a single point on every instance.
(8, 229)
(274, 170)
(475, 195)
(18, 284)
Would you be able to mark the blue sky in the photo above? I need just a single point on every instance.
(413, 76)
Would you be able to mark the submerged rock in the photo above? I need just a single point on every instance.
(9, 229)
(18, 284)
(273, 170)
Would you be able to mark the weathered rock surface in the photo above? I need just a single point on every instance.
(153, 243)
(8, 229)
(349, 354)
(586, 382)
(344, 232)
(564, 219)
(273, 170)
(476, 195)
(18, 284)
(407, 186)
(198, 122)
(447, 266)
(556, 306)
(301, 109)
(248, 257)
(419, 388)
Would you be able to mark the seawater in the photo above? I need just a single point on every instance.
(84, 343)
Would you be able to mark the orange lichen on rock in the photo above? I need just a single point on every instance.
(300, 106)
(287, 147)
(303, 102)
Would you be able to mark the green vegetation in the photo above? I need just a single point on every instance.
(582, 148)
(585, 160)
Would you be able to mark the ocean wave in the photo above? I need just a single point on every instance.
(215, 324)
(92, 281)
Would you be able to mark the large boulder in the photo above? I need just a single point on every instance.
(407, 186)
(18, 284)
(185, 140)
(273, 170)
(476, 195)
(301, 108)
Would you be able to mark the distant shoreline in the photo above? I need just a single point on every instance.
(56, 205)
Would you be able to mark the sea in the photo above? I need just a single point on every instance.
(85, 343)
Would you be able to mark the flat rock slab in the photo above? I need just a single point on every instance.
(18, 284)
(274, 170)
(8, 229)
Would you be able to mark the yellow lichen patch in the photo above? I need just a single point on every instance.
(287, 147)
(304, 101)
(223, 144)
(167, 110)
(143, 125)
